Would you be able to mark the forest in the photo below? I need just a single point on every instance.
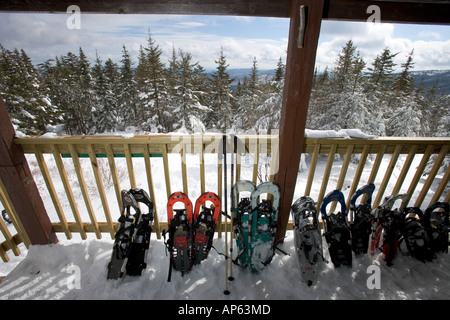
(70, 95)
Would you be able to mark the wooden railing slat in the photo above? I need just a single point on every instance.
(147, 147)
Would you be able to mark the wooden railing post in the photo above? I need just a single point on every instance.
(306, 17)
(19, 184)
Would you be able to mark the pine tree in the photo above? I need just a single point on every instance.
(248, 99)
(152, 90)
(127, 98)
(404, 115)
(105, 84)
(22, 89)
(188, 92)
(221, 115)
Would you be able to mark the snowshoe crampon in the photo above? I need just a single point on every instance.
(361, 219)
(132, 238)
(414, 235)
(337, 231)
(308, 241)
(386, 228)
(435, 220)
(205, 220)
(180, 234)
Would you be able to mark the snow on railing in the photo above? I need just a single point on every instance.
(80, 177)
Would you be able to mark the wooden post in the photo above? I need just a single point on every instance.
(306, 17)
(20, 186)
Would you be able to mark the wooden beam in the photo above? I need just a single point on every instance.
(19, 184)
(297, 89)
(400, 11)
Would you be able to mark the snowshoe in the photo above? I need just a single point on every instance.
(242, 220)
(264, 225)
(337, 231)
(387, 222)
(361, 219)
(204, 225)
(180, 234)
(308, 241)
(141, 242)
(437, 225)
(124, 236)
(414, 235)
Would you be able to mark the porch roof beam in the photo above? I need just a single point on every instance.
(400, 11)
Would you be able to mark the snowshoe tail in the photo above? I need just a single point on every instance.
(204, 225)
(337, 230)
(360, 219)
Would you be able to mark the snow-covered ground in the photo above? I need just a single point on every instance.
(76, 269)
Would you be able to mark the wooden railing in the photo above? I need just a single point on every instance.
(80, 177)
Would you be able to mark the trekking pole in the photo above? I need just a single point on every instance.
(233, 139)
(226, 292)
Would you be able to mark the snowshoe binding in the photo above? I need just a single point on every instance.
(132, 238)
(435, 220)
(361, 219)
(203, 226)
(308, 241)
(414, 235)
(180, 234)
(337, 231)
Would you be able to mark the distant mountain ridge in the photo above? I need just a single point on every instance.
(427, 77)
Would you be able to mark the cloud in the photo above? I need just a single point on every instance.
(44, 36)
(371, 38)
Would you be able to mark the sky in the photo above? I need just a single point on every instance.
(45, 36)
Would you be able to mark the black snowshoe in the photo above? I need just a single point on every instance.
(414, 235)
(132, 238)
(361, 219)
(337, 231)
(308, 241)
(141, 242)
(436, 223)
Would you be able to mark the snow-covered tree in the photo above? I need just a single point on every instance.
(221, 99)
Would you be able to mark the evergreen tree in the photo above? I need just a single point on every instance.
(127, 98)
(105, 83)
(188, 92)
(404, 115)
(22, 89)
(221, 115)
(152, 90)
